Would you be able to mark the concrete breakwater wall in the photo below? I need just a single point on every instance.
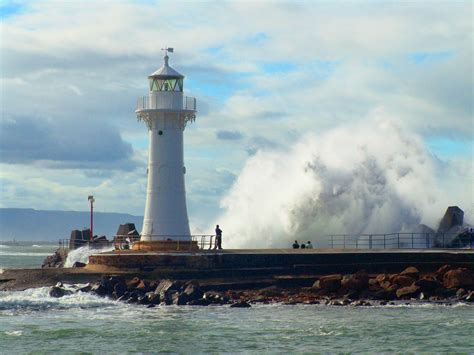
(288, 261)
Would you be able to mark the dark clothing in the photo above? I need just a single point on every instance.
(218, 244)
(296, 245)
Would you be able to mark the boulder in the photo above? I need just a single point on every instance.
(86, 288)
(99, 289)
(241, 304)
(427, 284)
(58, 292)
(408, 291)
(403, 281)
(178, 298)
(153, 297)
(119, 289)
(133, 283)
(329, 283)
(357, 281)
(56, 260)
(460, 277)
(78, 264)
(193, 292)
(381, 278)
(454, 216)
(143, 285)
(411, 271)
(199, 302)
(469, 297)
(443, 270)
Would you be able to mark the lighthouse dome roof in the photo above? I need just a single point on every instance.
(166, 71)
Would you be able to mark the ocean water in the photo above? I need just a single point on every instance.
(33, 322)
(25, 254)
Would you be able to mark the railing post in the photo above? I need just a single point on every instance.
(427, 240)
(384, 241)
(444, 244)
(344, 245)
(370, 241)
(412, 241)
(398, 240)
(332, 242)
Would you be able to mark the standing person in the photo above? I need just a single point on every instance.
(218, 244)
(309, 245)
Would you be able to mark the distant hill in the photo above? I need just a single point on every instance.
(30, 224)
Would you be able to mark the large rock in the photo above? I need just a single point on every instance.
(411, 271)
(193, 291)
(329, 283)
(57, 292)
(460, 277)
(428, 285)
(408, 292)
(443, 270)
(178, 298)
(119, 290)
(454, 216)
(133, 283)
(403, 281)
(357, 281)
(241, 304)
(166, 288)
(56, 260)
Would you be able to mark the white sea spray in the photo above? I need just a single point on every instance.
(375, 177)
(82, 254)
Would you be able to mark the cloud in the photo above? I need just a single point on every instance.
(229, 135)
(27, 140)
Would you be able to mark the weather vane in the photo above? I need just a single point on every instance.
(167, 50)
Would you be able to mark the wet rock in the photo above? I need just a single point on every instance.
(193, 291)
(385, 295)
(125, 297)
(99, 289)
(441, 271)
(178, 298)
(381, 278)
(153, 297)
(329, 283)
(199, 302)
(143, 299)
(460, 293)
(56, 260)
(58, 292)
(241, 304)
(357, 281)
(408, 291)
(78, 264)
(361, 303)
(86, 288)
(119, 290)
(460, 277)
(143, 286)
(335, 303)
(403, 281)
(469, 297)
(151, 306)
(411, 271)
(133, 283)
(428, 284)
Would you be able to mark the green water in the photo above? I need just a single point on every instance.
(25, 254)
(33, 322)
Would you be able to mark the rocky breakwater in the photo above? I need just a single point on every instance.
(446, 285)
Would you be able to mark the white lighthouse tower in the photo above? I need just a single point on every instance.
(166, 112)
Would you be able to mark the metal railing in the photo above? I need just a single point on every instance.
(95, 244)
(158, 103)
(401, 241)
(183, 242)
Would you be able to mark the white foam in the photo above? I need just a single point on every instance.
(39, 298)
(15, 333)
(6, 253)
(3, 246)
(82, 254)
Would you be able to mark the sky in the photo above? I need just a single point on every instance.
(266, 74)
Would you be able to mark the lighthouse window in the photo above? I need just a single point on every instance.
(160, 133)
(166, 85)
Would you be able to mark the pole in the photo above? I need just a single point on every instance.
(92, 220)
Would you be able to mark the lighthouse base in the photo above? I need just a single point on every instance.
(166, 245)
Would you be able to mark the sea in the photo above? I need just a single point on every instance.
(31, 322)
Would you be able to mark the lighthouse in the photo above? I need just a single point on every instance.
(166, 113)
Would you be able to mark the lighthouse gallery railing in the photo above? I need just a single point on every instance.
(157, 103)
